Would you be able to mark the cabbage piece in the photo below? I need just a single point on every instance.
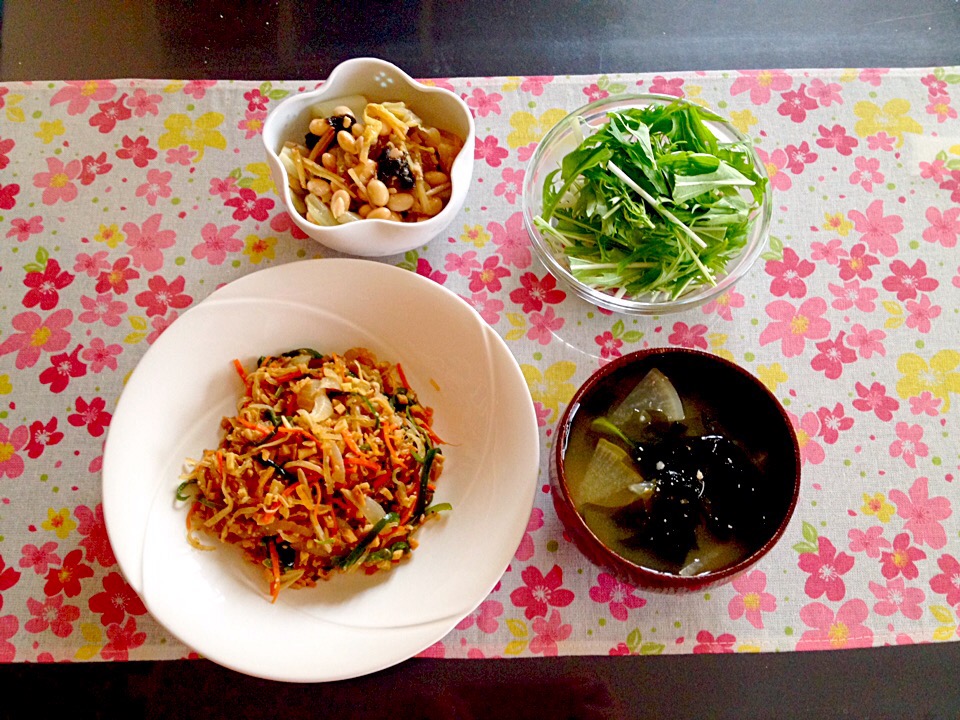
(654, 394)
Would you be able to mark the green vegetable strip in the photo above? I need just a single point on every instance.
(355, 554)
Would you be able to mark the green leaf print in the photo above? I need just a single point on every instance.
(776, 249)
(41, 261)
(409, 261)
(810, 536)
(651, 648)
(634, 639)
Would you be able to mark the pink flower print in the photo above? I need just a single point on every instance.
(51, 614)
(121, 639)
(8, 194)
(925, 404)
(42, 436)
(691, 337)
(217, 243)
(466, 264)
(45, 286)
(837, 138)
(867, 342)
(832, 252)
(883, 142)
(489, 150)
(103, 308)
(806, 429)
(760, 84)
(22, 228)
(895, 597)
(511, 186)
(662, 86)
(539, 592)
(110, 114)
(907, 281)
(725, 304)
(425, 269)
(867, 173)
(920, 314)
(94, 531)
(160, 324)
(163, 295)
(282, 222)
(799, 156)
(752, 599)
(534, 292)
(833, 422)
(526, 549)
(923, 514)
(936, 171)
(62, 368)
(143, 103)
(825, 567)
(875, 399)
(878, 231)
(5, 147)
(512, 241)
(35, 335)
(91, 167)
(157, 186)
(708, 644)
(198, 88)
(594, 92)
(793, 326)
(617, 594)
(92, 265)
(57, 182)
(248, 205)
(138, 150)
(872, 76)
(851, 294)
(182, 155)
(92, 415)
(547, 633)
(942, 109)
(858, 264)
(226, 187)
(825, 93)
(788, 274)
(99, 355)
(870, 542)
(487, 616)
(832, 357)
(525, 152)
(534, 84)
(256, 100)
(796, 104)
(488, 308)
(147, 242)
(944, 227)
(953, 185)
(39, 558)
(947, 582)
(609, 345)
(830, 631)
(544, 325)
(774, 163)
(902, 559)
(934, 85)
(483, 104)
(11, 443)
(488, 276)
(252, 124)
(78, 94)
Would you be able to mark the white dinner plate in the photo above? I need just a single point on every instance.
(352, 624)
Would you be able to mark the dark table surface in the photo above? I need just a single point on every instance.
(221, 39)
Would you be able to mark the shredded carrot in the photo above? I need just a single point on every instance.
(238, 366)
(352, 445)
(403, 377)
(361, 461)
(255, 426)
(275, 565)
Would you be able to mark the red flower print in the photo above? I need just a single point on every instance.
(902, 559)
(110, 114)
(163, 295)
(36, 336)
(483, 104)
(944, 227)
(833, 422)
(91, 415)
(798, 156)
(147, 242)
(121, 640)
(662, 86)
(875, 399)
(609, 345)
(594, 93)
(906, 281)
(845, 629)
(45, 286)
(39, 558)
(947, 582)
(8, 194)
(832, 357)
(118, 277)
(116, 600)
(22, 229)
(138, 150)
(534, 292)
(796, 104)
(62, 368)
(540, 592)
(825, 567)
(249, 205)
(836, 137)
(923, 514)
(256, 100)
(92, 166)
(620, 649)
(5, 147)
(488, 277)
(94, 531)
(42, 436)
(547, 633)
(217, 243)
(707, 644)
(282, 222)
(425, 269)
(858, 264)
(618, 595)
(687, 336)
(8, 578)
(51, 614)
(878, 230)
(66, 579)
(788, 274)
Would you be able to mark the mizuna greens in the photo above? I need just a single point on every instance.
(652, 202)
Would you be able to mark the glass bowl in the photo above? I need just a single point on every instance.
(564, 137)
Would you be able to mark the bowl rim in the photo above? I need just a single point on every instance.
(747, 259)
(652, 577)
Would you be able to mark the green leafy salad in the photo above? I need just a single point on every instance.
(652, 203)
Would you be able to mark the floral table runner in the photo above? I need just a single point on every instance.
(125, 202)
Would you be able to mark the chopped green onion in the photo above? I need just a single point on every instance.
(438, 507)
(388, 519)
(183, 486)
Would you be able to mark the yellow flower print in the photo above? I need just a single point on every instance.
(94, 638)
(717, 342)
(175, 87)
(198, 136)
(475, 234)
(892, 119)
(743, 120)
(772, 375)
(849, 75)
(49, 131)
(511, 84)
(939, 378)
(746, 648)
(59, 522)
(837, 223)
(551, 388)
(259, 248)
(12, 106)
(111, 235)
(5, 387)
(528, 129)
(877, 504)
(262, 180)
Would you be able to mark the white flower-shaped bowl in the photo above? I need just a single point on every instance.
(378, 81)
